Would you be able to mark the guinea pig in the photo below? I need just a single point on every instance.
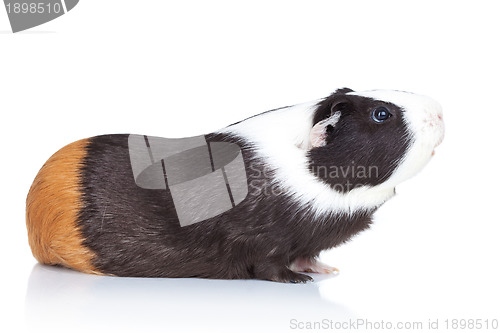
(258, 199)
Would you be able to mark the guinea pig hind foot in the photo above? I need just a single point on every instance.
(312, 265)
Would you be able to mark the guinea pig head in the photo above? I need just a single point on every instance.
(373, 138)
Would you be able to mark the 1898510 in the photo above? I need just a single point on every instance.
(33, 7)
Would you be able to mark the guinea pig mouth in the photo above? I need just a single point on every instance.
(437, 144)
(440, 140)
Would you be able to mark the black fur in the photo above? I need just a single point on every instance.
(135, 231)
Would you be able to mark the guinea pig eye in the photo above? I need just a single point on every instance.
(380, 114)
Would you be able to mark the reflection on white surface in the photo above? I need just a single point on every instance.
(62, 299)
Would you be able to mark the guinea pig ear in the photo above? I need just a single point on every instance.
(318, 134)
(344, 90)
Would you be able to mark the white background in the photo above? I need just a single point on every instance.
(182, 68)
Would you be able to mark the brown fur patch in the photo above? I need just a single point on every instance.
(52, 209)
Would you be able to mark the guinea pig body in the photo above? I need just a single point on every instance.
(315, 174)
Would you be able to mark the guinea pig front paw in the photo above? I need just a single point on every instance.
(289, 276)
(280, 274)
(311, 265)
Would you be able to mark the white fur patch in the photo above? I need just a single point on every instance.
(282, 137)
